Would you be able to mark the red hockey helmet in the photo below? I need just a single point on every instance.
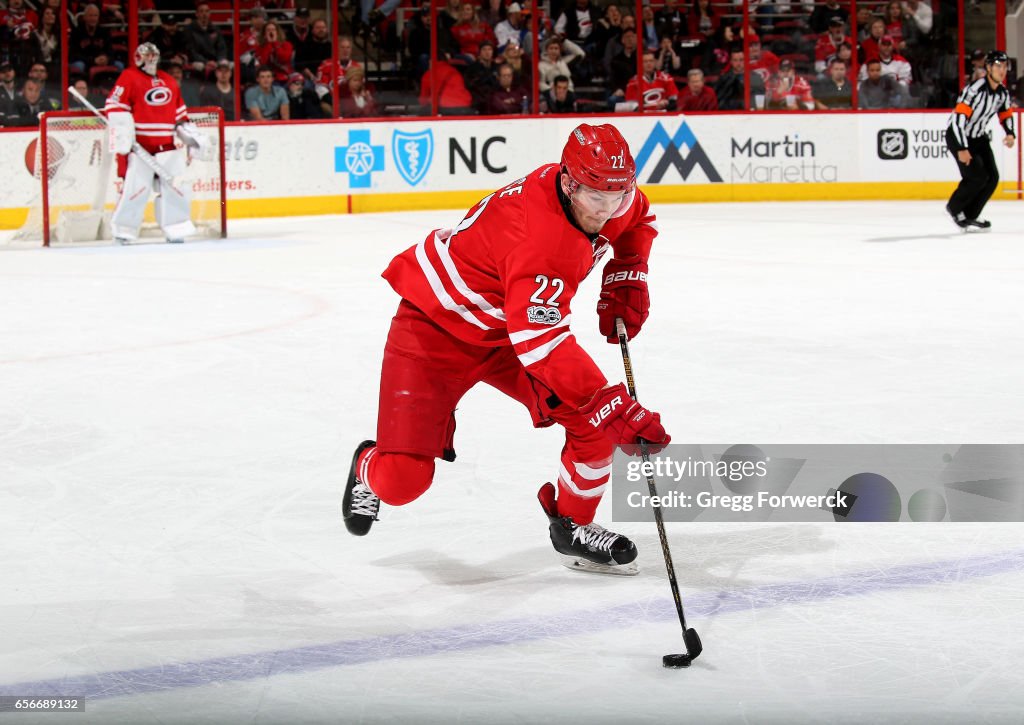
(598, 157)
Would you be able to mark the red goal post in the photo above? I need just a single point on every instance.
(79, 187)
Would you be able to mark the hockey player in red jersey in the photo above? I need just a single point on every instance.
(489, 301)
(145, 106)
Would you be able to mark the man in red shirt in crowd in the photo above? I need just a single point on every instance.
(696, 96)
(490, 302)
(789, 91)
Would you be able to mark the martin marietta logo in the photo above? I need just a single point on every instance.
(672, 154)
(412, 154)
(893, 144)
(359, 159)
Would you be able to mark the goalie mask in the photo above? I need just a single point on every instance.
(602, 174)
(147, 57)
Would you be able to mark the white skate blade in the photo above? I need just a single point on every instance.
(577, 564)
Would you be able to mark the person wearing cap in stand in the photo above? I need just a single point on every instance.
(168, 40)
(788, 91)
(298, 32)
(893, 64)
(303, 101)
(828, 44)
(512, 28)
(248, 40)
(220, 93)
(204, 43)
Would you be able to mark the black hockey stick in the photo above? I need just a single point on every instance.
(690, 637)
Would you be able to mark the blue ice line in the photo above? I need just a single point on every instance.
(423, 643)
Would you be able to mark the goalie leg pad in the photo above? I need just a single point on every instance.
(173, 206)
(121, 127)
(127, 216)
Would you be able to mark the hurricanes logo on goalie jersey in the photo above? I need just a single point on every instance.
(159, 96)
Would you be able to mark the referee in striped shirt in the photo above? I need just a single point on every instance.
(968, 140)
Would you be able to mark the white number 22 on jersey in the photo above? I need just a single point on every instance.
(557, 284)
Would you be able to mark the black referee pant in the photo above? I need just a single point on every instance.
(978, 179)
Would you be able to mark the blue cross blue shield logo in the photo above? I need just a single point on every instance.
(359, 159)
(412, 153)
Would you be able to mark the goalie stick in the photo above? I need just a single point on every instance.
(690, 637)
(144, 156)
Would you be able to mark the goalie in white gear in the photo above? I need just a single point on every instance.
(145, 108)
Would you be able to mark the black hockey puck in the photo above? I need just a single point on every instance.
(676, 662)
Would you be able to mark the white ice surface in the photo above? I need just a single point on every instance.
(176, 423)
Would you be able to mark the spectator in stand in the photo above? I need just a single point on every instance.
(658, 90)
(82, 86)
(469, 32)
(8, 89)
(667, 60)
(896, 25)
(671, 20)
(300, 30)
(623, 65)
(275, 52)
(248, 40)
(169, 41)
(39, 73)
(879, 90)
(514, 58)
(821, 16)
(17, 34)
(30, 104)
(482, 76)
(614, 45)
(356, 100)
(204, 43)
(90, 44)
(372, 16)
(869, 47)
(607, 29)
(920, 15)
(453, 98)
(493, 12)
(266, 101)
(845, 54)
(649, 28)
(512, 28)
(345, 64)
(762, 62)
(836, 90)
(188, 86)
(317, 49)
(559, 99)
(976, 68)
(864, 19)
(704, 20)
(828, 43)
(891, 63)
(696, 96)
(220, 93)
(788, 91)
(553, 63)
(48, 40)
(577, 24)
(507, 98)
(416, 35)
(303, 103)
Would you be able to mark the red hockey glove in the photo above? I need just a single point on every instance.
(624, 420)
(623, 294)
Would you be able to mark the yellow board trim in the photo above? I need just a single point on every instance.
(682, 193)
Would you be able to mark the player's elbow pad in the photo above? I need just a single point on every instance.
(122, 131)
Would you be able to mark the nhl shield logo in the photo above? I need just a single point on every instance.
(413, 153)
(893, 144)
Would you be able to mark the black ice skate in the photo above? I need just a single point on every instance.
(981, 225)
(587, 548)
(960, 219)
(360, 505)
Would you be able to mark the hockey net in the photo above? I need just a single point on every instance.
(77, 193)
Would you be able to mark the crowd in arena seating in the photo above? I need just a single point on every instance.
(801, 55)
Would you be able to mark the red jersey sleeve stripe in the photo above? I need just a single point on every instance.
(442, 295)
(521, 336)
(460, 284)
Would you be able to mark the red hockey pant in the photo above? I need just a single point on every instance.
(426, 372)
